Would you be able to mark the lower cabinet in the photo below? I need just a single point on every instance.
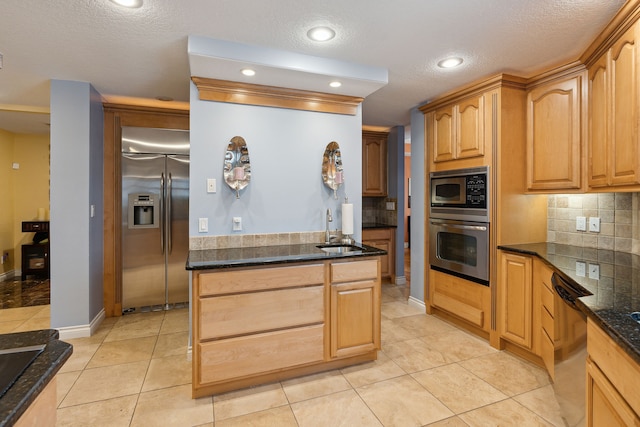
(355, 308)
(612, 382)
(516, 299)
(257, 325)
(383, 238)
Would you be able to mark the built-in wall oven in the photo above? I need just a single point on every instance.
(459, 223)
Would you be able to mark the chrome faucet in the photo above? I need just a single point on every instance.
(327, 234)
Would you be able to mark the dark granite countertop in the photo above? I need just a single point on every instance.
(377, 225)
(265, 255)
(614, 296)
(37, 375)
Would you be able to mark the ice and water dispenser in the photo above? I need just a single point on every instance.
(144, 210)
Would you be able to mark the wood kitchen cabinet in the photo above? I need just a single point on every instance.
(374, 164)
(262, 324)
(554, 134)
(457, 130)
(383, 238)
(612, 382)
(516, 299)
(614, 115)
(355, 307)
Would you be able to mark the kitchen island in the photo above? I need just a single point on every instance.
(31, 399)
(264, 314)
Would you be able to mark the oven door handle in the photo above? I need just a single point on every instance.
(460, 226)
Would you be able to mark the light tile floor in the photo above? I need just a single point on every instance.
(135, 371)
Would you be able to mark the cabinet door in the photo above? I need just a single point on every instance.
(605, 406)
(554, 136)
(355, 318)
(374, 164)
(516, 296)
(624, 163)
(443, 135)
(469, 122)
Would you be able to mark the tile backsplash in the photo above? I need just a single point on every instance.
(619, 220)
(374, 211)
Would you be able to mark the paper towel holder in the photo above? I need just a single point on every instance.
(346, 237)
(237, 167)
(332, 172)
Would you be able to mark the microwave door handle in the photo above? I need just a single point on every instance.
(461, 227)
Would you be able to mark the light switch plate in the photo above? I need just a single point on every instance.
(581, 269)
(203, 225)
(581, 223)
(211, 185)
(594, 271)
(594, 224)
(391, 206)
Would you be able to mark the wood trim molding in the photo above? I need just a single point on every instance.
(271, 96)
(495, 82)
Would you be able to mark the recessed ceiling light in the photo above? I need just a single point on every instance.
(128, 3)
(248, 72)
(321, 34)
(335, 84)
(450, 62)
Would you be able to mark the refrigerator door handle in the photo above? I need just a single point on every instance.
(169, 213)
(162, 212)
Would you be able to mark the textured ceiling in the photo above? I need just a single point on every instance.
(143, 52)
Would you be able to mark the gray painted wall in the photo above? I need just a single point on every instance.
(286, 192)
(418, 205)
(76, 183)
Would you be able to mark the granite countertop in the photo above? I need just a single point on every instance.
(613, 297)
(377, 225)
(37, 375)
(265, 255)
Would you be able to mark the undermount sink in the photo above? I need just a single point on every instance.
(340, 249)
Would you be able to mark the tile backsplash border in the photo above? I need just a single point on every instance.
(619, 220)
(254, 240)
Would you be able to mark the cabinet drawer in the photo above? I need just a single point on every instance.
(227, 315)
(546, 295)
(376, 234)
(239, 357)
(547, 350)
(353, 271)
(235, 281)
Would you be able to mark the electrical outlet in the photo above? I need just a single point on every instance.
(594, 224)
(391, 206)
(237, 223)
(581, 223)
(581, 269)
(211, 185)
(594, 271)
(203, 225)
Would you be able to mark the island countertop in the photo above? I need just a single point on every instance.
(37, 375)
(613, 297)
(204, 259)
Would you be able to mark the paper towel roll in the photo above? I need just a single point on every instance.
(347, 218)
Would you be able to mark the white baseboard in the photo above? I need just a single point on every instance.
(415, 302)
(82, 331)
(8, 275)
(401, 280)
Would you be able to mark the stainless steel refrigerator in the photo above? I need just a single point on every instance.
(155, 218)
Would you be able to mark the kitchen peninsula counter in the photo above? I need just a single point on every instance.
(36, 380)
(614, 296)
(205, 259)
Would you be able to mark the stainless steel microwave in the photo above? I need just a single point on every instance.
(461, 194)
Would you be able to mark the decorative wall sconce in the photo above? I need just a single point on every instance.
(332, 173)
(237, 167)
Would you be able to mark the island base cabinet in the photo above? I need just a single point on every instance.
(605, 406)
(354, 319)
(256, 354)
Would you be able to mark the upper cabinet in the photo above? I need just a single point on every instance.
(457, 130)
(374, 164)
(554, 134)
(614, 155)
